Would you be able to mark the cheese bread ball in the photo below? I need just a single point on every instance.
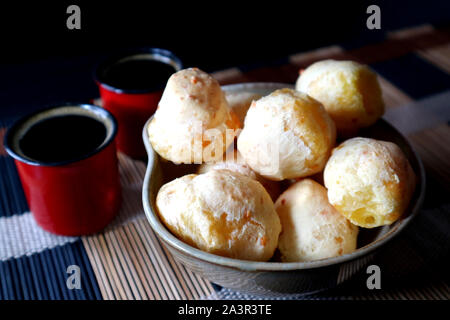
(369, 181)
(233, 161)
(312, 228)
(286, 135)
(191, 122)
(221, 212)
(349, 91)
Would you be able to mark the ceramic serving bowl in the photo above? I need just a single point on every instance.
(277, 278)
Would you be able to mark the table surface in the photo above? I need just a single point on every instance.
(127, 261)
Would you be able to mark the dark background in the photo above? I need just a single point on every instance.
(42, 62)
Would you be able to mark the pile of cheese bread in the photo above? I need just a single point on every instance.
(272, 175)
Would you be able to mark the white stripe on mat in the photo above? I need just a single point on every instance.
(20, 235)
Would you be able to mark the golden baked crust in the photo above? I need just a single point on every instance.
(192, 107)
(369, 181)
(312, 228)
(286, 135)
(349, 91)
(221, 212)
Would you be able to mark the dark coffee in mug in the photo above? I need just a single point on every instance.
(138, 74)
(61, 135)
(62, 138)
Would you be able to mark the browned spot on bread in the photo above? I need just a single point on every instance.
(233, 122)
(349, 224)
(263, 241)
(206, 143)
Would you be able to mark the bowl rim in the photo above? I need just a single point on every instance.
(247, 265)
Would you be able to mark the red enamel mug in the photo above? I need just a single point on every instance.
(67, 163)
(130, 85)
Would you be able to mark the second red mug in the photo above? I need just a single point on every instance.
(131, 84)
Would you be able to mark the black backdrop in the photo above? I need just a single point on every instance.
(211, 34)
(43, 63)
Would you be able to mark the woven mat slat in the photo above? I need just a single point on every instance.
(433, 146)
(438, 55)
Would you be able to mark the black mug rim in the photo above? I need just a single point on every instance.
(87, 106)
(112, 59)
